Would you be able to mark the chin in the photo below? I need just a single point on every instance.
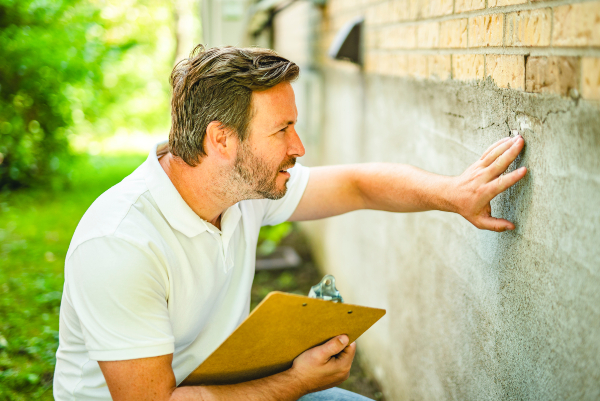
(275, 194)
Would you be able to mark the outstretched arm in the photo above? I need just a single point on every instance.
(336, 190)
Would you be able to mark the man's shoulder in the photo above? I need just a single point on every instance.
(127, 206)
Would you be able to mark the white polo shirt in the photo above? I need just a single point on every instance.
(145, 276)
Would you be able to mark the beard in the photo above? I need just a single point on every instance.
(258, 178)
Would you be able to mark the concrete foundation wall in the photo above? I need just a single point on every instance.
(470, 314)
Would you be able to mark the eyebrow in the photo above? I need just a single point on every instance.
(287, 124)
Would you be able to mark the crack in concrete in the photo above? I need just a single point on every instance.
(568, 110)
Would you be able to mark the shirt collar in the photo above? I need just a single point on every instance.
(179, 215)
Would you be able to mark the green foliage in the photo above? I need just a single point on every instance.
(270, 236)
(60, 64)
(44, 45)
(35, 230)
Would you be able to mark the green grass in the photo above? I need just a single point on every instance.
(35, 230)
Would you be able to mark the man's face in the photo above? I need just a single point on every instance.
(272, 145)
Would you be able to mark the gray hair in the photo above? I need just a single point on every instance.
(216, 84)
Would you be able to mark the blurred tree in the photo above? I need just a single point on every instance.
(44, 46)
(61, 63)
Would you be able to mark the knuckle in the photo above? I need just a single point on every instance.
(500, 182)
(499, 162)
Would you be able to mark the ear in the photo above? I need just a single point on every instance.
(220, 141)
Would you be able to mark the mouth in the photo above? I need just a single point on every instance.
(284, 171)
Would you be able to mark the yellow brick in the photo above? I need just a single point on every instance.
(440, 7)
(577, 25)
(591, 78)
(467, 67)
(371, 61)
(378, 63)
(428, 35)
(377, 14)
(400, 10)
(399, 65)
(372, 38)
(502, 3)
(398, 37)
(486, 30)
(370, 16)
(440, 67)
(418, 9)
(552, 74)
(383, 12)
(417, 65)
(506, 70)
(453, 33)
(468, 5)
(388, 65)
(334, 6)
(528, 28)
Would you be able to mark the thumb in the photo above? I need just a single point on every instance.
(335, 345)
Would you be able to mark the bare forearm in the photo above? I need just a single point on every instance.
(279, 387)
(152, 378)
(335, 190)
(403, 188)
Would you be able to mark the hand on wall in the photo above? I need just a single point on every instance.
(482, 181)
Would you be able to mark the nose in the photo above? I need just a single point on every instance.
(296, 148)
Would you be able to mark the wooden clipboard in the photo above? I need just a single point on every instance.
(279, 329)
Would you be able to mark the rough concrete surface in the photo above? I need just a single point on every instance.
(472, 314)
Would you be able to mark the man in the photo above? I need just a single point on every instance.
(159, 270)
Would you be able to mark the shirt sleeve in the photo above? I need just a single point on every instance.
(119, 293)
(278, 211)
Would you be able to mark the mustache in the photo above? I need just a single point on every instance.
(291, 162)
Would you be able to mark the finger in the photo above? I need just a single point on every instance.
(494, 146)
(497, 151)
(334, 346)
(503, 161)
(348, 352)
(494, 224)
(345, 357)
(506, 181)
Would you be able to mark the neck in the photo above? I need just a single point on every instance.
(202, 187)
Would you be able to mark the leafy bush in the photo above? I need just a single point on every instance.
(61, 62)
(45, 47)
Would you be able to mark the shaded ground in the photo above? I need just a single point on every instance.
(299, 281)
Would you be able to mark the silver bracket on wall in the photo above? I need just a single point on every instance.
(347, 42)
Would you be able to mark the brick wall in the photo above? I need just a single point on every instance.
(533, 46)
(471, 315)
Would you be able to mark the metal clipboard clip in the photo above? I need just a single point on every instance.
(326, 290)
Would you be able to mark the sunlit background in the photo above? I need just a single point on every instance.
(85, 76)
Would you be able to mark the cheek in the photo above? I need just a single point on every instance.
(275, 154)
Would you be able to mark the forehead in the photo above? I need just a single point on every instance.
(274, 107)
